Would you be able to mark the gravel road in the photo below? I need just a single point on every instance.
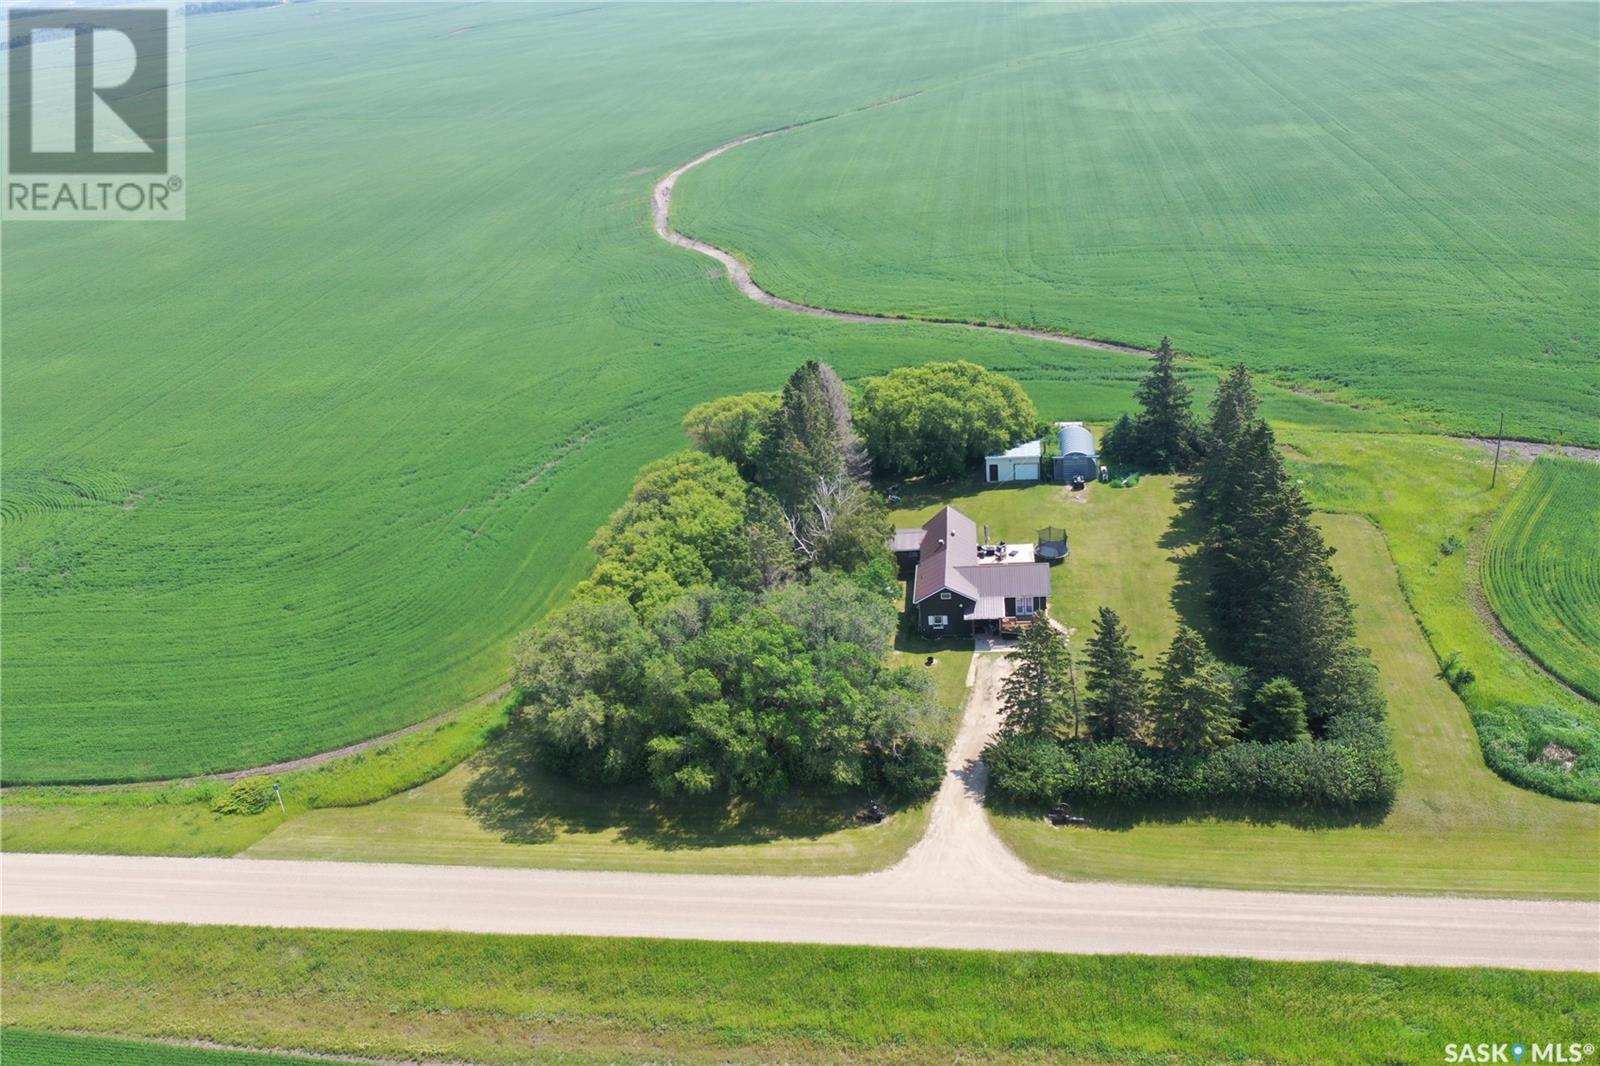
(958, 887)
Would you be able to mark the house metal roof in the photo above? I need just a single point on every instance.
(949, 563)
(906, 540)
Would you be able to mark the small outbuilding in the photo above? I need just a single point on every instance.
(1076, 456)
(1021, 463)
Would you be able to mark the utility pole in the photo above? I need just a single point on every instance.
(1496, 475)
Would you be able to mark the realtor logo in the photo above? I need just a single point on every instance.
(94, 113)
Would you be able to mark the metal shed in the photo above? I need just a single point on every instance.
(1076, 456)
(1019, 464)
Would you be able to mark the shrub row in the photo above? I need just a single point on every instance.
(1326, 774)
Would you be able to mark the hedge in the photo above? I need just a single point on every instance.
(1333, 774)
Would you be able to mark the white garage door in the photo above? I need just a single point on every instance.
(1025, 472)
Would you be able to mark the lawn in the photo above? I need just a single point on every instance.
(303, 464)
(498, 810)
(1541, 569)
(1391, 202)
(1125, 552)
(1456, 827)
(516, 999)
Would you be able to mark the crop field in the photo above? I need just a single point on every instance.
(291, 473)
(1393, 202)
(1541, 569)
(303, 464)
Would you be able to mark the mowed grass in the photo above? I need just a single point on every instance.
(1427, 494)
(1392, 202)
(518, 999)
(1456, 827)
(304, 463)
(1541, 569)
(499, 810)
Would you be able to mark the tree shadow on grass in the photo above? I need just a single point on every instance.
(1184, 541)
(1121, 818)
(511, 795)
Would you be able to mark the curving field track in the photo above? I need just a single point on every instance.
(1541, 569)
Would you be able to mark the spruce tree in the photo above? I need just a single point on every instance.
(1114, 704)
(1233, 413)
(1167, 437)
(1120, 445)
(1277, 712)
(1192, 704)
(1035, 698)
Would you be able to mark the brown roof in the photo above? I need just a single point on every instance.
(906, 540)
(949, 562)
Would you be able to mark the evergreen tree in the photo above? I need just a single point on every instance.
(1114, 705)
(1233, 413)
(809, 440)
(1166, 435)
(1277, 712)
(1192, 705)
(1035, 698)
(1120, 445)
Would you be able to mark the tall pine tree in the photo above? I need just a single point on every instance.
(1165, 435)
(1233, 412)
(1036, 698)
(1114, 705)
(1192, 702)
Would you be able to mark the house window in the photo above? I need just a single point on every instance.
(1024, 606)
(938, 621)
(944, 595)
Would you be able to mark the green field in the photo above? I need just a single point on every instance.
(1541, 569)
(569, 999)
(23, 1048)
(292, 472)
(1393, 202)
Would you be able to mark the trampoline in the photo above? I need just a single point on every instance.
(1051, 544)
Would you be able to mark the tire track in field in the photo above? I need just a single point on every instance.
(739, 273)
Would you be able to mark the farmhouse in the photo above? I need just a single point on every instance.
(1076, 457)
(1021, 463)
(963, 587)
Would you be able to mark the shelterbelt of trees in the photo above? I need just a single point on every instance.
(1293, 716)
(733, 635)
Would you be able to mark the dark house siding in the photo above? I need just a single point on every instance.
(953, 611)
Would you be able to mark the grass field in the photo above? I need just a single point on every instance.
(1456, 828)
(303, 463)
(518, 999)
(495, 811)
(1393, 202)
(1541, 569)
(23, 1048)
(1430, 494)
